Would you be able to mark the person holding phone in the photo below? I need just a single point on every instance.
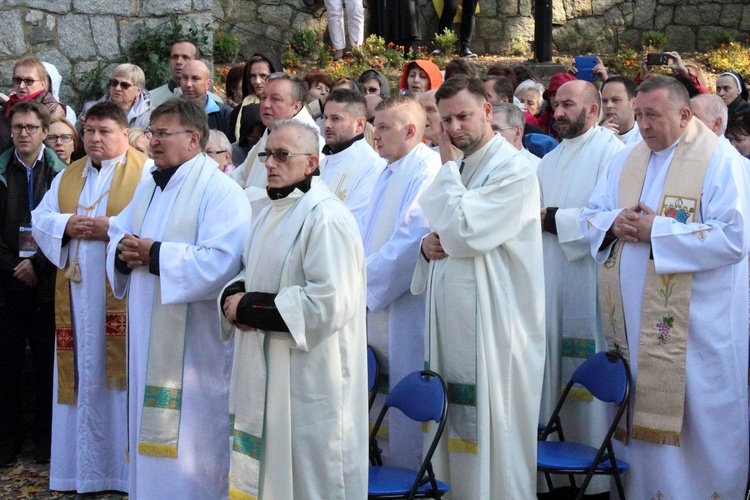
(688, 72)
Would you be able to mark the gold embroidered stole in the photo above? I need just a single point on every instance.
(124, 181)
(660, 387)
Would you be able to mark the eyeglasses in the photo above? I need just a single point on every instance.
(26, 81)
(51, 139)
(219, 152)
(30, 129)
(114, 82)
(163, 134)
(279, 156)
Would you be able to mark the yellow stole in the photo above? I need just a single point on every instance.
(124, 181)
(660, 388)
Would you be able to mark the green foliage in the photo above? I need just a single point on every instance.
(731, 57)
(446, 41)
(723, 38)
(90, 84)
(304, 41)
(226, 47)
(625, 62)
(655, 41)
(290, 59)
(153, 46)
(519, 46)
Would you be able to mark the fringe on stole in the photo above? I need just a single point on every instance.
(66, 396)
(157, 450)
(655, 436)
(235, 494)
(461, 446)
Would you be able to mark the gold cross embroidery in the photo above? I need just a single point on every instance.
(700, 232)
(341, 193)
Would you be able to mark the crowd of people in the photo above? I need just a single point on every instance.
(179, 263)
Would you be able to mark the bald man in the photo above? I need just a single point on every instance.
(195, 80)
(567, 176)
(393, 230)
(432, 125)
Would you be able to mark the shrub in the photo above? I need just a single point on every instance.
(153, 46)
(446, 41)
(723, 37)
(304, 41)
(731, 57)
(655, 41)
(625, 62)
(226, 47)
(519, 46)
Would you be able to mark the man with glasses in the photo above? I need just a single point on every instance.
(297, 311)
(30, 83)
(89, 432)
(27, 283)
(508, 121)
(172, 249)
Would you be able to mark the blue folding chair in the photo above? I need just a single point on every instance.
(607, 377)
(373, 375)
(421, 396)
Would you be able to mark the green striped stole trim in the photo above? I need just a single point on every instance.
(578, 348)
(247, 444)
(162, 397)
(462, 394)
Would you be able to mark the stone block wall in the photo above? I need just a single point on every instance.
(76, 35)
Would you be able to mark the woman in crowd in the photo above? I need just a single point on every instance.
(319, 86)
(233, 86)
(420, 76)
(63, 138)
(30, 84)
(220, 150)
(732, 89)
(738, 133)
(127, 90)
(257, 69)
(375, 82)
(138, 139)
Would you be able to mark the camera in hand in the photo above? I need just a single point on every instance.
(657, 59)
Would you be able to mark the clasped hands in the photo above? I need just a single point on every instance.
(82, 227)
(633, 225)
(432, 248)
(135, 251)
(230, 311)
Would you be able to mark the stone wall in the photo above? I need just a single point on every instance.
(76, 35)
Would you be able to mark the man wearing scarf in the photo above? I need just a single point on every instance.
(171, 250)
(668, 221)
(89, 427)
(30, 81)
(298, 405)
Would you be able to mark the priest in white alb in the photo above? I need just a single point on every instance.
(567, 175)
(284, 98)
(89, 415)
(298, 403)
(350, 166)
(482, 269)
(393, 231)
(171, 250)
(668, 221)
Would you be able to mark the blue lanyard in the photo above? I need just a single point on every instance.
(30, 186)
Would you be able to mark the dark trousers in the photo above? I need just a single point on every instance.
(26, 319)
(450, 8)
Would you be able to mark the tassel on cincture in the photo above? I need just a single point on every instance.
(74, 272)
